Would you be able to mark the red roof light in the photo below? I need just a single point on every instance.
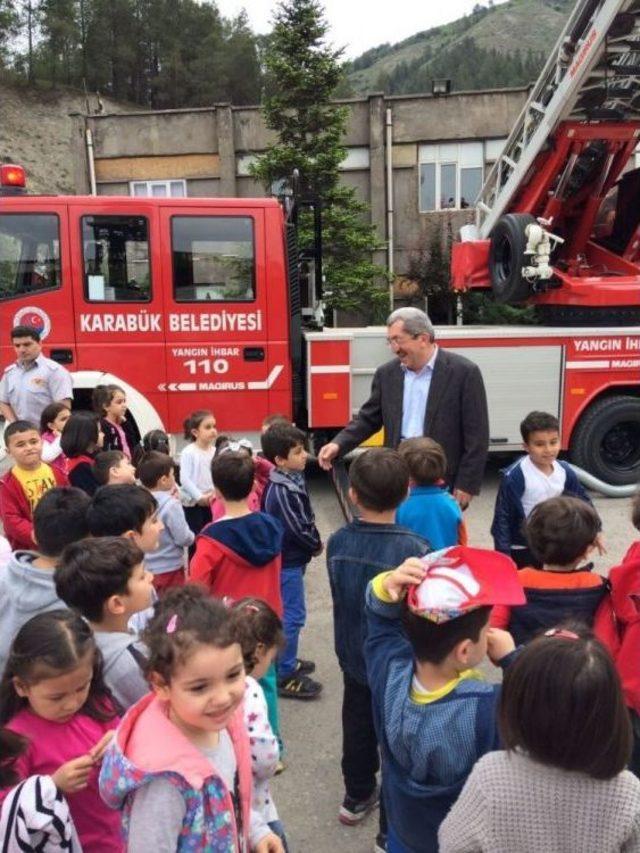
(12, 176)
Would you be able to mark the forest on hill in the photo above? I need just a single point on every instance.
(183, 53)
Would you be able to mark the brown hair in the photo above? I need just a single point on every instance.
(152, 466)
(104, 462)
(433, 641)
(562, 703)
(380, 479)
(425, 459)
(233, 474)
(559, 530)
(538, 422)
(256, 623)
(185, 617)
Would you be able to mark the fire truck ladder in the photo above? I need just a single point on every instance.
(592, 74)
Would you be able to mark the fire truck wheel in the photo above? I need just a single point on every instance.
(579, 315)
(606, 441)
(506, 258)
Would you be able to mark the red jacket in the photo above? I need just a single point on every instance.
(16, 512)
(240, 557)
(617, 624)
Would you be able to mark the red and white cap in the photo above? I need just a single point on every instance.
(459, 579)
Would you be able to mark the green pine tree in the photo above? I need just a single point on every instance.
(302, 73)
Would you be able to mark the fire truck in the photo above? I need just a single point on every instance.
(195, 303)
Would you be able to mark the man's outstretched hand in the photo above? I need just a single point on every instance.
(327, 454)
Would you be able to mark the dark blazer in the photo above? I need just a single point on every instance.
(456, 416)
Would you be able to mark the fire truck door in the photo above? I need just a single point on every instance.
(117, 299)
(216, 318)
(35, 277)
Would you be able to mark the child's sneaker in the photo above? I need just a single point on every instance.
(304, 667)
(298, 687)
(353, 811)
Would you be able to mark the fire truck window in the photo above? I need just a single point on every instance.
(29, 254)
(116, 259)
(213, 258)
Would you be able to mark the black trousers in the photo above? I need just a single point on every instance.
(360, 756)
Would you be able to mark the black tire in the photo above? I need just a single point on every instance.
(606, 441)
(506, 258)
(578, 315)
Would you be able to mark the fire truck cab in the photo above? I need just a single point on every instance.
(184, 303)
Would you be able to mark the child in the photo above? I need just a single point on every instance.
(356, 553)
(80, 441)
(617, 625)
(52, 421)
(286, 498)
(120, 433)
(156, 473)
(180, 765)
(561, 784)
(259, 631)
(430, 510)
(195, 468)
(26, 585)
(106, 582)
(561, 533)
(528, 481)
(23, 486)
(131, 512)
(427, 628)
(113, 468)
(239, 555)
(262, 469)
(53, 695)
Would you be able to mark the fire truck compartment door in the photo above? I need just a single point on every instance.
(218, 354)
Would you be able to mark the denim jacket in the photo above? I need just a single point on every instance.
(355, 555)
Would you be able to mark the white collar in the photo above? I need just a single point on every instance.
(428, 366)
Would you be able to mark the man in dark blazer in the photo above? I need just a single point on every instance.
(425, 390)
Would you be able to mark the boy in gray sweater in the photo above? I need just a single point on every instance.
(106, 582)
(26, 583)
(156, 472)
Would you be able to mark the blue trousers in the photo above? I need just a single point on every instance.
(294, 617)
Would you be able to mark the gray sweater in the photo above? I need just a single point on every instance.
(122, 654)
(511, 804)
(176, 536)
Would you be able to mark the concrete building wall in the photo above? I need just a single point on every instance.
(211, 149)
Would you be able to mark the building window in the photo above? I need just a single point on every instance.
(450, 175)
(213, 258)
(493, 149)
(115, 251)
(355, 159)
(159, 189)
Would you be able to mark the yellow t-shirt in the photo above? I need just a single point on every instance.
(35, 483)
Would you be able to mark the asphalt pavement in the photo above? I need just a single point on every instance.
(309, 792)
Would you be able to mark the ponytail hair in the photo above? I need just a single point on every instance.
(193, 422)
(256, 624)
(12, 746)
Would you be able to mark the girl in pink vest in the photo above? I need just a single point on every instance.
(180, 764)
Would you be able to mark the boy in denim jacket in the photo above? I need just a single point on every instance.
(373, 543)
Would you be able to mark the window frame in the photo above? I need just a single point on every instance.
(155, 183)
(85, 282)
(205, 302)
(58, 286)
(437, 162)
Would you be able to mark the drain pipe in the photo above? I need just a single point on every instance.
(606, 489)
(389, 158)
(91, 161)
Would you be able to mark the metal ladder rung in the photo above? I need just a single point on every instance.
(535, 105)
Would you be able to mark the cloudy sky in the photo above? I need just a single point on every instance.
(356, 25)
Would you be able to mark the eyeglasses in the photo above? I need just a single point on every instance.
(399, 340)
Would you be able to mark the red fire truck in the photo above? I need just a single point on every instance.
(194, 303)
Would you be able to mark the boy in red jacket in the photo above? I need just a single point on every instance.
(617, 625)
(239, 555)
(27, 481)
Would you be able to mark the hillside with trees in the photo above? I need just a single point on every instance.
(154, 53)
(491, 48)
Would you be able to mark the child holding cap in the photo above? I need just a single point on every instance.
(428, 627)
